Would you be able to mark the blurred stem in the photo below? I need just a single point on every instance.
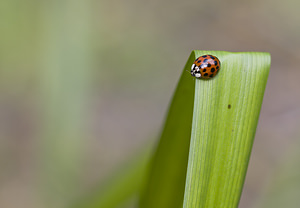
(123, 184)
(65, 70)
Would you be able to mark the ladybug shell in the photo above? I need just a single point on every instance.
(205, 67)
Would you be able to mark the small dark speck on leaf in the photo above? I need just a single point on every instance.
(229, 106)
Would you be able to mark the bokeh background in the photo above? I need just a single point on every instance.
(85, 83)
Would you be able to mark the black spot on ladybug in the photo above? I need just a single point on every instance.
(229, 106)
(204, 70)
(198, 61)
(206, 74)
(212, 57)
(216, 63)
(211, 75)
(205, 60)
(212, 70)
(209, 65)
(204, 56)
(217, 67)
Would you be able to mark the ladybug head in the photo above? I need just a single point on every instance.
(195, 71)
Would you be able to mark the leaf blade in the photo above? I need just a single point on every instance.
(222, 136)
(166, 178)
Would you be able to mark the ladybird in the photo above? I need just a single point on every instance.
(205, 67)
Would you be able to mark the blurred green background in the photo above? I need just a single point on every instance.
(86, 83)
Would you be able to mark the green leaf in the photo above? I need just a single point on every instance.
(226, 112)
(166, 181)
(219, 116)
(221, 127)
